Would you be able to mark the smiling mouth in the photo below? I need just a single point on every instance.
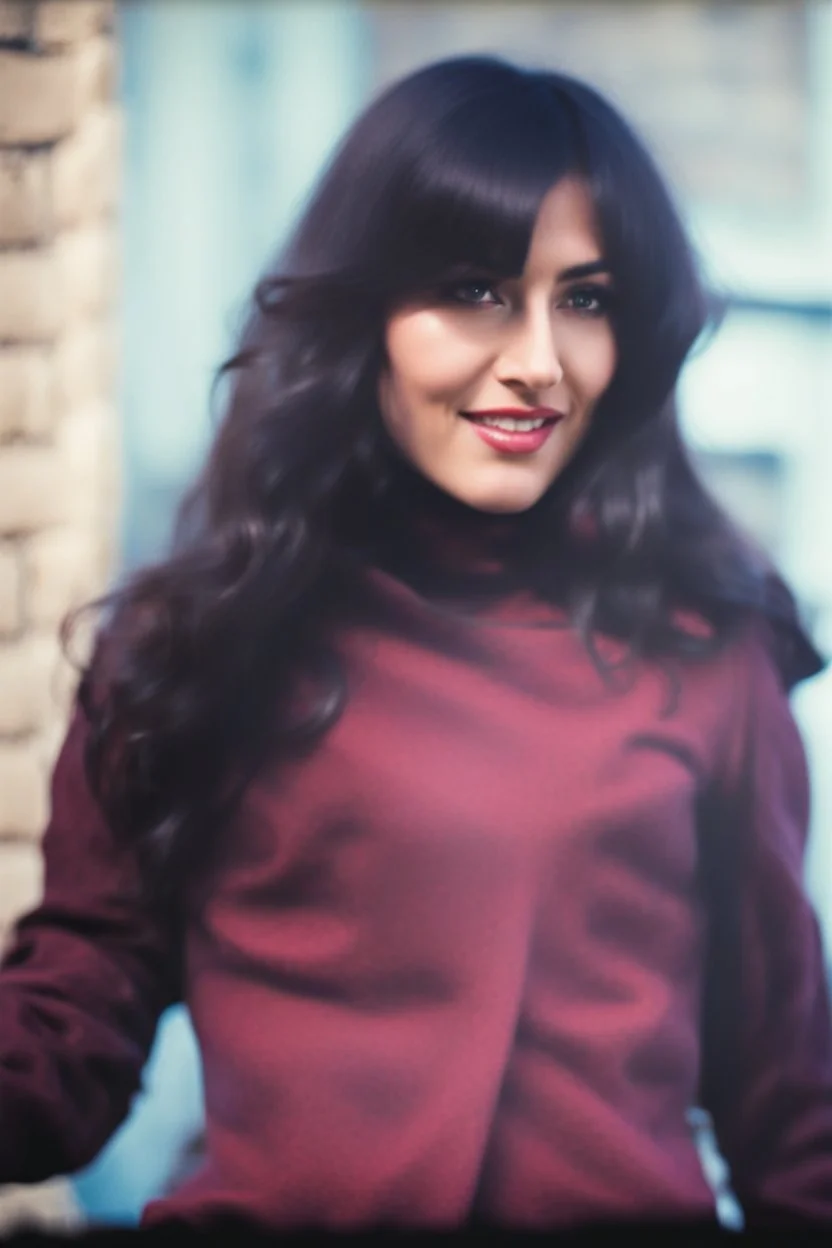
(514, 422)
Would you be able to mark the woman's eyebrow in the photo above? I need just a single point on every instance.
(590, 269)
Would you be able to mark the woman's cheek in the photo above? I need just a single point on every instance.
(596, 373)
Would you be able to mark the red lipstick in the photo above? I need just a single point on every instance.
(514, 441)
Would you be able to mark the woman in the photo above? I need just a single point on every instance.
(445, 767)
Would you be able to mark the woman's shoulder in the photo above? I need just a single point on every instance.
(757, 646)
(775, 653)
(746, 685)
(732, 689)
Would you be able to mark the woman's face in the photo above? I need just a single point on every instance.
(468, 369)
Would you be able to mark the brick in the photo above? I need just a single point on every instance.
(31, 309)
(82, 365)
(28, 669)
(86, 260)
(46, 1207)
(45, 289)
(34, 489)
(69, 21)
(21, 881)
(49, 739)
(75, 653)
(111, 482)
(80, 441)
(26, 392)
(109, 346)
(59, 572)
(25, 201)
(17, 20)
(10, 594)
(41, 97)
(86, 443)
(23, 791)
(86, 168)
(97, 68)
(62, 685)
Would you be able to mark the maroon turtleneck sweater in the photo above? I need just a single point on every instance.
(453, 964)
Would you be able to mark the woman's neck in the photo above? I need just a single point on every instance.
(442, 547)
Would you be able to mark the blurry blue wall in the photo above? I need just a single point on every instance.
(230, 110)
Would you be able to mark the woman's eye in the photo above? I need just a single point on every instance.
(590, 300)
(473, 293)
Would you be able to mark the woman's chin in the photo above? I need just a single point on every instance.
(501, 501)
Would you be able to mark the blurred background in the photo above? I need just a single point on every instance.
(226, 113)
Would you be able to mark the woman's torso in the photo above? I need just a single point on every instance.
(450, 963)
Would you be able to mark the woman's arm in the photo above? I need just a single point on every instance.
(767, 1076)
(82, 986)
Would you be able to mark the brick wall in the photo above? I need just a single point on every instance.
(59, 173)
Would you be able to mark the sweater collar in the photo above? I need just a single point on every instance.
(451, 554)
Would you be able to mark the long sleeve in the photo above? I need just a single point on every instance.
(82, 986)
(768, 1054)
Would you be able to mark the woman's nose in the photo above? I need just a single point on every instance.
(531, 359)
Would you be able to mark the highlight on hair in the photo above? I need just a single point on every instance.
(199, 658)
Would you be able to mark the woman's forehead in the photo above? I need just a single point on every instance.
(566, 233)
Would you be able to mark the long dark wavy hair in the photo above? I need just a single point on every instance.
(197, 658)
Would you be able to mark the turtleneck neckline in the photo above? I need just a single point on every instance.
(455, 556)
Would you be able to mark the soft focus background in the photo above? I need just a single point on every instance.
(222, 114)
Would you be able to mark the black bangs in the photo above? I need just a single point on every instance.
(474, 188)
(463, 153)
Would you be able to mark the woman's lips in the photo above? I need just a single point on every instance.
(515, 441)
